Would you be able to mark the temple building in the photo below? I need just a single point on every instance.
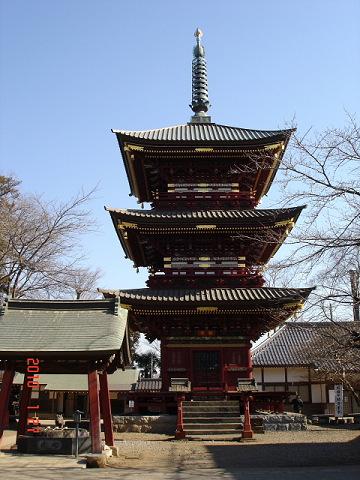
(205, 245)
(309, 359)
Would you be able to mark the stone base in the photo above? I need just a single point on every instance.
(180, 435)
(247, 434)
(52, 446)
(145, 423)
(96, 461)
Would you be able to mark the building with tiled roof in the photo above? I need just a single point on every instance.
(306, 358)
(58, 331)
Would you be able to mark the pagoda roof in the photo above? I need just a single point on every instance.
(239, 217)
(242, 297)
(136, 228)
(199, 142)
(63, 329)
(202, 132)
(256, 310)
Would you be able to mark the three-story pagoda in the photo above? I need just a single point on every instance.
(204, 242)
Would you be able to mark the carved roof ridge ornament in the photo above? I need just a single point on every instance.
(200, 95)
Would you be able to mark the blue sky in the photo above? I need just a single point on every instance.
(73, 69)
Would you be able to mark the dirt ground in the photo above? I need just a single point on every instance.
(320, 446)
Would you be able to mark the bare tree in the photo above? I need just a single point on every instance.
(39, 245)
(332, 354)
(8, 188)
(80, 283)
(323, 171)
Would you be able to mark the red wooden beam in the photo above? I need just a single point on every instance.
(106, 409)
(7, 380)
(94, 404)
(23, 408)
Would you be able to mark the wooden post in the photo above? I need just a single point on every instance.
(281, 407)
(247, 430)
(106, 409)
(23, 407)
(6, 384)
(164, 366)
(95, 429)
(180, 434)
(262, 379)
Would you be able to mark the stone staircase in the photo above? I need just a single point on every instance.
(211, 419)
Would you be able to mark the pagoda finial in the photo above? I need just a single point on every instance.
(200, 95)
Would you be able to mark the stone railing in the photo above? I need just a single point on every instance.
(281, 422)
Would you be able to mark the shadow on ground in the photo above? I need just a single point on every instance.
(230, 457)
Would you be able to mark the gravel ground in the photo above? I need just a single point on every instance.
(318, 446)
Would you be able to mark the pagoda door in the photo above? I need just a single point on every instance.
(207, 371)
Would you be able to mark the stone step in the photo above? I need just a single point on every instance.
(220, 437)
(197, 414)
(211, 410)
(212, 420)
(210, 432)
(212, 426)
(208, 403)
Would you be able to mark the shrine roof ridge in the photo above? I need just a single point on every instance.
(199, 132)
(40, 304)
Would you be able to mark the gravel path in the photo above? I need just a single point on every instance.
(317, 454)
(317, 446)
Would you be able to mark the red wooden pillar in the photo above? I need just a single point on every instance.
(247, 430)
(6, 384)
(23, 407)
(94, 404)
(180, 434)
(106, 409)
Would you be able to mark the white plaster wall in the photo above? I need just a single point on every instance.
(318, 393)
(257, 374)
(297, 375)
(274, 375)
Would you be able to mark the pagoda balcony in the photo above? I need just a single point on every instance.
(213, 199)
(209, 277)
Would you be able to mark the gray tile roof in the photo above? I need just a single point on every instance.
(214, 295)
(211, 132)
(61, 326)
(294, 343)
(239, 216)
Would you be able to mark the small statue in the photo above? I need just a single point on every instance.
(59, 420)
